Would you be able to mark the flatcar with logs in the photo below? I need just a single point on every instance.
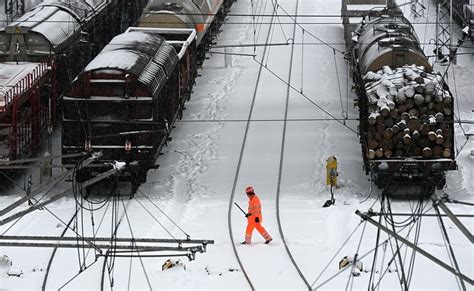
(41, 53)
(128, 98)
(405, 109)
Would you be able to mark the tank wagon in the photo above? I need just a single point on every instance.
(41, 53)
(205, 16)
(353, 10)
(128, 98)
(405, 109)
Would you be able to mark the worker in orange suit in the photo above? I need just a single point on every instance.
(254, 217)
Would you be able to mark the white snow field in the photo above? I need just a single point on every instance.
(234, 134)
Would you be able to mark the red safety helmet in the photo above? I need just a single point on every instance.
(249, 190)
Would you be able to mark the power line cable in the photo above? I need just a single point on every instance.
(337, 252)
(164, 213)
(377, 240)
(449, 248)
(343, 112)
(314, 36)
(354, 261)
(156, 219)
(134, 244)
(306, 97)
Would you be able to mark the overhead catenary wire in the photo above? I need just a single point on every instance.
(307, 98)
(411, 265)
(302, 62)
(301, 90)
(425, 209)
(275, 10)
(336, 253)
(77, 275)
(381, 264)
(281, 162)
(133, 244)
(311, 34)
(114, 225)
(289, 41)
(53, 254)
(50, 212)
(253, 26)
(166, 215)
(233, 14)
(239, 163)
(395, 253)
(343, 112)
(449, 248)
(403, 276)
(248, 15)
(156, 219)
(458, 116)
(374, 260)
(361, 257)
(260, 18)
(354, 260)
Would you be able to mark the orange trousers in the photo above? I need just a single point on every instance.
(251, 226)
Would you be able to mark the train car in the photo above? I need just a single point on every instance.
(352, 12)
(41, 53)
(205, 16)
(127, 99)
(405, 109)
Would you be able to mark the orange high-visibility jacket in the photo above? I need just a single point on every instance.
(255, 208)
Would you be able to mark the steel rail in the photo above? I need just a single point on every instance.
(282, 155)
(107, 253)
(239, 163)
(53, 254)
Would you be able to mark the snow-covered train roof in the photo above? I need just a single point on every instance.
(57, 21)
(145, 55)
(10, 75)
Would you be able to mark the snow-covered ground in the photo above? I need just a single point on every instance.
(216, 152)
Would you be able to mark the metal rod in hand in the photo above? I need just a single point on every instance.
(240, 208)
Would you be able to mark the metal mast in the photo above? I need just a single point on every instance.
(444, 30)
(417, 8)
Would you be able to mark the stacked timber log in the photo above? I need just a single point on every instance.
(409, 114)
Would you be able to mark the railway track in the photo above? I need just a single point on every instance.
(53, 253)
(106, 257)
(281, 156)
(282, 153)
(68, 227)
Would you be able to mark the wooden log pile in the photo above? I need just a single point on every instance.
(409, 114)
